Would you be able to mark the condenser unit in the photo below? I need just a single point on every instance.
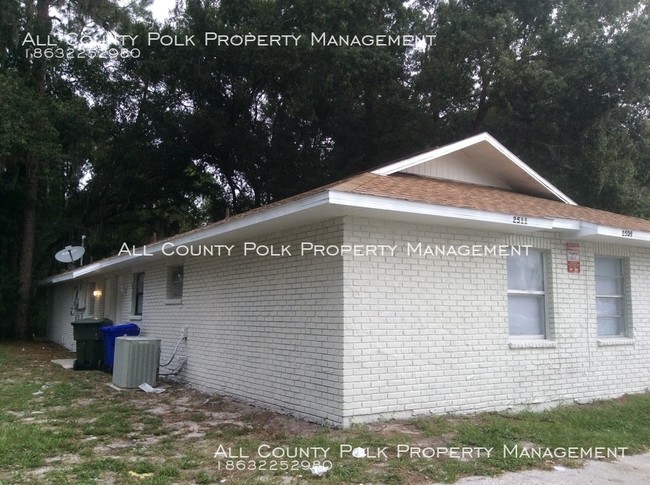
(136, 361)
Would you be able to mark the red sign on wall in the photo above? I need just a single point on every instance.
(572, 257)
(573, 266)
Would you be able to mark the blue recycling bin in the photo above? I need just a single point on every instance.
(110, 333)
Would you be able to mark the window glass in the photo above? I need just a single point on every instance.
(526, 272)
(610, 296)
(609, 286)
(526, 314)
(138, 293)
(608, 267)
(526, 296)
(609, 307)
(608, 327)
(175, 283)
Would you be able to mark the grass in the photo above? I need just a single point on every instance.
(65, 427)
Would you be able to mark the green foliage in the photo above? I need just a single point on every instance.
(46, 129)
(27, 130)
(565, 85)
(143, 148)
(272, 122)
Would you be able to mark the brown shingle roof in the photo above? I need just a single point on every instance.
(448, 193)
(460, 194)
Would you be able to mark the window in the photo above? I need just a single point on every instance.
(526, 295)
(610, 297)
(138, 293)
(175, 283)
(90, 300)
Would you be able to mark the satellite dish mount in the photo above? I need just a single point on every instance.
(70, 254)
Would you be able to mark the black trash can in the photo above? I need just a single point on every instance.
(90, 349)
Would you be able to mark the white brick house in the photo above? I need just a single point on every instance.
(426, 302)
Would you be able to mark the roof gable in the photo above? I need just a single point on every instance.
(479, 160)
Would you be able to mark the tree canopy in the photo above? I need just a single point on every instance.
(154, 139)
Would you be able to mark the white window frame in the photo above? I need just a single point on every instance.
(537, 293)
(171, 270)
(91, 304)
(622, 325)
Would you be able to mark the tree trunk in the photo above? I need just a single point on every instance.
(41, 26)
(22, 328)
(482, 110)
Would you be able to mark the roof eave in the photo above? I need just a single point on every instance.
(269, 216)
(337, 203)
(498, 221)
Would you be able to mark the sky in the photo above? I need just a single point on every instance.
(161, 8)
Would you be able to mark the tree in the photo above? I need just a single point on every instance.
(563, 83)
(272, 122)
(34, 78)
(34, 99)
(146, 147)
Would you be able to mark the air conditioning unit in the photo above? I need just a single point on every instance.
(136, 361)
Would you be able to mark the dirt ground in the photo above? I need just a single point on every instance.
(189, 426)
(184, 415)
(171, 438)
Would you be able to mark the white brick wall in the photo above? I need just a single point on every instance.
(59, 328)
(60, 299)
(430, 334)
(421, 334)
(267, 330)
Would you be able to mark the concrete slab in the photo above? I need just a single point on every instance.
(65, 363)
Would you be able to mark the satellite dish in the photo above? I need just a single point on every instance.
(70, 254)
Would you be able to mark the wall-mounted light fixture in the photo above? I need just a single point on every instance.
(97, 293)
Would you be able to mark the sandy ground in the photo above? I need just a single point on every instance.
(189, 416)
(629, 470)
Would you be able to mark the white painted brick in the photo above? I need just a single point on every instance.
(459, 323)
(345, 339)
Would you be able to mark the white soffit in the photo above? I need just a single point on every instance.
(481, 160)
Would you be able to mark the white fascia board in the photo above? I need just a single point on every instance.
(616, 234)
(284, 210)
(433, 154)
(581, 229)
(454, 147)
(442, 211)
(588, 229)
(567, 225)
(71, 275)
